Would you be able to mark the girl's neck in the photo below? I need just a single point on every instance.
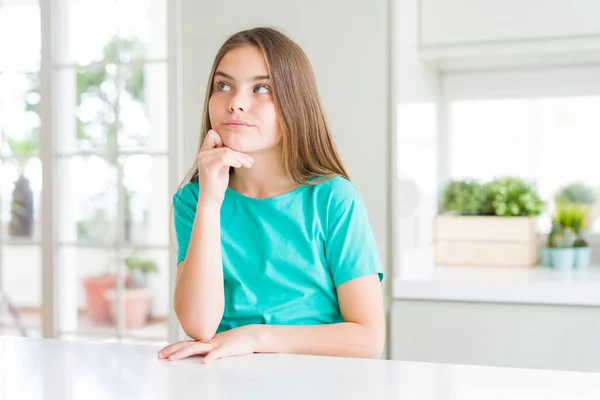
(266, 177)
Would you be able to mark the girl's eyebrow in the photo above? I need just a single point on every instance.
(256, 78)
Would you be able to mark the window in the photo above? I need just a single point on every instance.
(540, 123)
(550, 140)
(111, 166)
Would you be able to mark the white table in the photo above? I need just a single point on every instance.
(65, 370)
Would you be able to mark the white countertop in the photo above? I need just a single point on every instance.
(68, 370)
(535, 285)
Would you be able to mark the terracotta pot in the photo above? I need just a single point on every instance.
(136, 306)
(95, 291)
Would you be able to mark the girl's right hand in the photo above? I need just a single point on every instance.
(214, 161)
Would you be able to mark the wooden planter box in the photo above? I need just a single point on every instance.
(486, 241)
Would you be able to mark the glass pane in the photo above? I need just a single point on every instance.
(143, 108)
(551, 140)
(111, 30)
(85, 280)
(142, 29)
(20, 290)
(87, 198)
(146, 303)
(20, 200)
(19, 114)
(91, 96)
(20, 37)
(147, 201)
(86, 31)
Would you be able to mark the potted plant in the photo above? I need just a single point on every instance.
(21, 208)
(488, 223)
(583, 196)
(570, 219)
(561, 242)
(136, 296)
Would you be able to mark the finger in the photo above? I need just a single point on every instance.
(219, 352)
(211, 141)
(196, 348)
(228, 158)
(212, 154)
(170, 349)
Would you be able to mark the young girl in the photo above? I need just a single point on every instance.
(275, 250)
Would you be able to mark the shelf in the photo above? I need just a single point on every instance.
(537, 285)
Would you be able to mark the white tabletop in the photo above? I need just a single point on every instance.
(53, 369)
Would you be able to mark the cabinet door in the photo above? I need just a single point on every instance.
(456, 22)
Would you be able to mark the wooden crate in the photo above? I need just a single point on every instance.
(486, 241)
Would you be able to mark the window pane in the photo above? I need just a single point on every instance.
(551, 140)
(20, 290)
(19, 114)
(147, 202)
(20, 37)
(87, 200)
(89, 105)
(111, 30)
(86, 31)
(146, 301)
(142, 29)
(84, 277)
(143, 108)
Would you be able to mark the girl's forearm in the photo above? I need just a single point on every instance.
(199, 298)
(347, 339)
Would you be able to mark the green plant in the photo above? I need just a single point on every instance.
(136, 263)
(513, 196)
(562, 238)
(571, 215)
(464, 197)
(577, 193)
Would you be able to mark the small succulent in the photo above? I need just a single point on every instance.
(562, 239)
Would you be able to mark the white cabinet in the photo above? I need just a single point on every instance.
(445, 22)
(495, 334)
(509, 25)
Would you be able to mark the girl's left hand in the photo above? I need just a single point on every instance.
(235, 342)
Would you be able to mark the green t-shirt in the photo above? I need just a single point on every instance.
(284, 256)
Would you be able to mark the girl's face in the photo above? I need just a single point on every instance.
(241, 106)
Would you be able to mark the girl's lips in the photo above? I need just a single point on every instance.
(237, 123)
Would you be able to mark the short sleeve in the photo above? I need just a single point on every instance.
(184, 212)
(351, 250)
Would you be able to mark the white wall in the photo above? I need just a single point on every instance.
(347, 43)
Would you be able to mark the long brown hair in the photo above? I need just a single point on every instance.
(308, 148)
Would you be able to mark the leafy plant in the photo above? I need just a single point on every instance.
(577, 193)
(136, 263)
(513, 196)
(571, 215)
(139, 268)
(464, 197)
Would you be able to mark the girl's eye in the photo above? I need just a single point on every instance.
(262, 89)
(223, 87)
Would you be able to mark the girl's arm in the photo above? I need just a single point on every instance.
(199, 298)
(361, 335)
